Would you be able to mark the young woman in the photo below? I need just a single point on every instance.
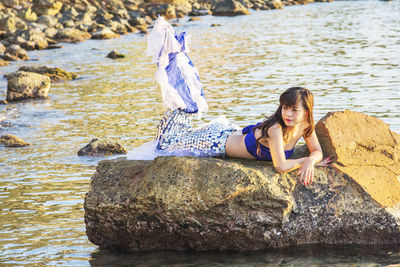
(271, 140)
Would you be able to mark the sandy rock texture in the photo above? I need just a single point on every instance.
(27, 85)
(183, 203)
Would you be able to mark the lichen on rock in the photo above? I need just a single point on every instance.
(101, 147)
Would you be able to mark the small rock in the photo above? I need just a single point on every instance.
(3, 63)
(3, 102)
(194, 19)
(27, 85)
(54, 46)
(2, 49)
(48, 20)
(115, 54)
(55, 74)
(15, 52)
(28, 15)
(142, 28)
(10, 140)
(215, 25)
(105, 33)
(199, 12)
(98, 147)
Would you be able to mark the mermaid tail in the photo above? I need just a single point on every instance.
(178, 77)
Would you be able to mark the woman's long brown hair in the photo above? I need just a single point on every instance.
(290, 98)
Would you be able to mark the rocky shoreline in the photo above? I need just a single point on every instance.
(44, 24)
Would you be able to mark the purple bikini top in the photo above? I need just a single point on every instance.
(251, 145)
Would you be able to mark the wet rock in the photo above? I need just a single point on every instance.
(55, 74)
(99, 147)
(71, 35)
(10, 140)
(15, 52)
(105, 33)
(115, 54)
(183, 203)
(194, 19)
(46, 7)
(366, 150)
(3, 63)
(229, 8)
(27, 85)
(215, 25)
(142, 28)
(199, 12)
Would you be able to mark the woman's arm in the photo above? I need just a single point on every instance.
(276, 147)
(306, 170)
(304, 164)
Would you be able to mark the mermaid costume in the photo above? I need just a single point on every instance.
(182, 92)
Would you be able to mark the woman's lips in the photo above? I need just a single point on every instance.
(288, 120)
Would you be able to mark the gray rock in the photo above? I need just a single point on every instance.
(27, 15)
(46, 7)
(27, 85)
(101, 147)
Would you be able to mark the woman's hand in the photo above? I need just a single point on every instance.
(325, 162)
(306, 171)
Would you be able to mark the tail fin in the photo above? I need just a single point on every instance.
(176, 74)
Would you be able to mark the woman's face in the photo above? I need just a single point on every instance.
(293, 115)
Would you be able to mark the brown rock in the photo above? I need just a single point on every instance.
(98, 147)
(3, 63)
(15, 52)
(178, 203)
(115, 54)
(194, 19)
(10, 140)
(55, 74)
(46, 7)
(27, 85)
(2, 49)
(229, 8)
(71, 35)
(105, 33)
(366, 150)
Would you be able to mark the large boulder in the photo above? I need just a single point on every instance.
(183, 203)
(366, 150)
(229, 8)
(27, 85)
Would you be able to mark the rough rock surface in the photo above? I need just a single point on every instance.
(55, 74)
(100, 147)
(115, 54)
(226, 204)
(10, 140)
(366, 150)
(229, 8)
(24, 85)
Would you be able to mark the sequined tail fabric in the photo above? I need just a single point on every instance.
(176, 136)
